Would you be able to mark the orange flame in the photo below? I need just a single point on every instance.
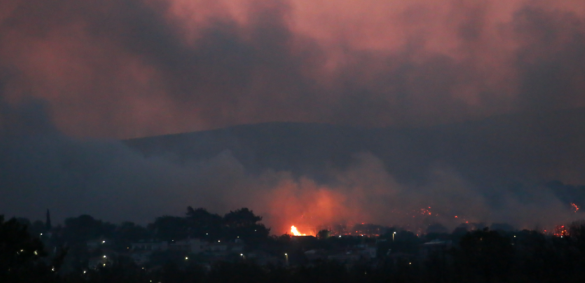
(560, 231)
(575, 207)
(296, 232)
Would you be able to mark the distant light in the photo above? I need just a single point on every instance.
(104, 264)
(218, 241)
(241, 254)
(206, 233)
(85, 271)
(394, 232)
(514, 236)
(41, 234)
(103, 242)
(339, 236)
(409, 263)
(105, 256)
(186, 258)
(285, 254)
(238, 237)
(52, 268)
(36, 253)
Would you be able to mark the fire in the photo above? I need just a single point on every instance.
(575, 207)
(560, 231)
(424, 211)
(295, 232)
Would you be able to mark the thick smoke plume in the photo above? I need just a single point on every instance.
(146, 67)
(98, 71)
(42, 168)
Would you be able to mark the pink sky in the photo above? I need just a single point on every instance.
(148, 67)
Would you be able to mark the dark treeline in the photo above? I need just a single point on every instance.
(236, 247)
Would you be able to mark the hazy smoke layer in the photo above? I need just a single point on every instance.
(41, 168)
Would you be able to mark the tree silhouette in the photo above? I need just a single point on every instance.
(84, 228)
(21, 255)
(169, 228)
(485, 253)
(202, 224)
(243, 224)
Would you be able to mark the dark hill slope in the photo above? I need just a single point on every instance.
(500, 150)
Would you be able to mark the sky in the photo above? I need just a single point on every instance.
(76, 76)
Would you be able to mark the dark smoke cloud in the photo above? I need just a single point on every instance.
(550, 61)
(118, 69)
(134, 68)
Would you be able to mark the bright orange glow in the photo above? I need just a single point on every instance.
(296, 232)
(575, 207)
(560, 231)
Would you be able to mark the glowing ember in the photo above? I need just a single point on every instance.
(560, 231)
(424, 211)
(296, 232)
(575, 207)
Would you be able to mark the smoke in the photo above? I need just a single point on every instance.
(43, 168)
(100, 70)
(367, 193)
(147, 67)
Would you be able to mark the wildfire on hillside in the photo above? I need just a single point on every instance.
(560, 231)
(574, 207)
(424, 211)
(295, 232)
